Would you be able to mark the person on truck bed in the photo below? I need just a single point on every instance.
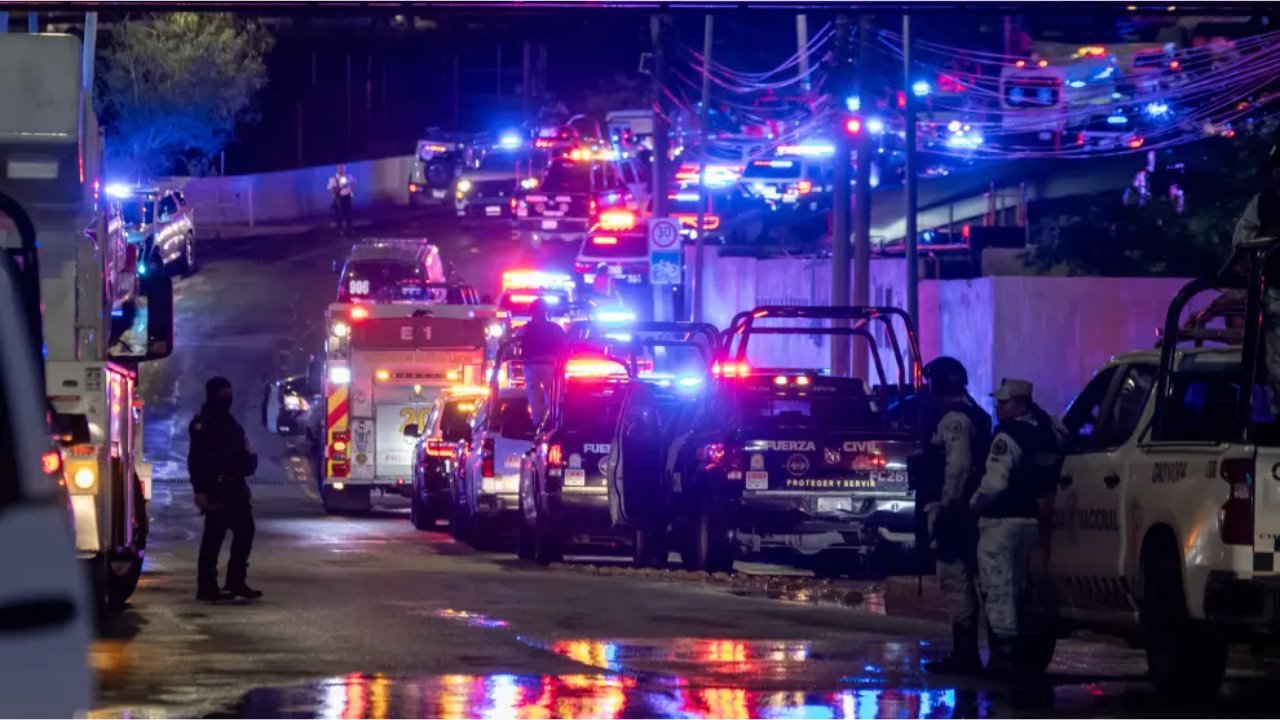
(219, 461)
(540, 344)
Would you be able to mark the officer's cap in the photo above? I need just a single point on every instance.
(1011, 388)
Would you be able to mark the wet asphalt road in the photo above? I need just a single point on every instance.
(366, 617)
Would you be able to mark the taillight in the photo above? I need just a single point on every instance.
(804, 186)
(439, 448)
(713, 454)
(513, 203)
(720, 456)
(1235, 517)
(339, 444)
(592, 206)
(555, 456)
(486, 458)
(51, 462)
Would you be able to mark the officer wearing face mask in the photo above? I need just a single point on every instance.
(220, 460)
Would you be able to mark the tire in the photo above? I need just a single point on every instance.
(419, 513)
(1186, 660)
(186, 264)
(712, 541)
(546, 545)
(122, 573)
(650, 549)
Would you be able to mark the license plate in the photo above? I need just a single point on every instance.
(830, 504)
(615, 271)
(575, 478)
(493, 210)
(437, 194)
(757, 480)
(888, 477)
(550, 224)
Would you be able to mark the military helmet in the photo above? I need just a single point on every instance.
(946, 374)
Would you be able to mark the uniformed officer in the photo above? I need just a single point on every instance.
(961, 438)
(220, 459)
(540, 343)
(1019, 472)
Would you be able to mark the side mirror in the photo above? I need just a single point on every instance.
(146, 333)
(411, 430)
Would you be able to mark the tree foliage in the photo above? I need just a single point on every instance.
(1103, 236)
(173, 86)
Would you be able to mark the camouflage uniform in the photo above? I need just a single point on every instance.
(1007, 502)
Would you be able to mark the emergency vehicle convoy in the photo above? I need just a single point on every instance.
(94, 337)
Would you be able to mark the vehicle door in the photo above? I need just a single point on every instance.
(1097, 529)
(185, 212)
(1090, 457)
(512, 441)
(473, 460)
(44, 608)
(170, 232)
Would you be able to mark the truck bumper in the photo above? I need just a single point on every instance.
(1246, 605)
(791, 524)
(581, 517)
(498, 507)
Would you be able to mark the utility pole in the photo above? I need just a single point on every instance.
(912, 180)
(658, 26)
(802, 49)
(862, 221)
(695, 280)
(841, 200)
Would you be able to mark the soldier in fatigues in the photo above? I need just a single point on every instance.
(1007, 502)
(961, 438)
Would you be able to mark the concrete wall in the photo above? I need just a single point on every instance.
(292, 194)
(1053, 331)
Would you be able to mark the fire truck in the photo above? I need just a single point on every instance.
(95, 335)
(385, 364)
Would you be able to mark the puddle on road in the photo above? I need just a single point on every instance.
(470, 618)
(581, 696)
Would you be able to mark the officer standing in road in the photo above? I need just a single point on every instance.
(961, 436)
(342, 187)
(540, 343)
(1020, 470)
(219, 461)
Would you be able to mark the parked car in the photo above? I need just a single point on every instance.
(161, 224)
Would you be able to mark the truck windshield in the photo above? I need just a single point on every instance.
(376, 278)
(138, 212)
(568, 176)
(763, 406)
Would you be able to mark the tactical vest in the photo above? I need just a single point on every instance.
(1028, 480)
(980, 442)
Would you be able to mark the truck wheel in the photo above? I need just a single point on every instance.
(1185, 660)
(141, 521)
(122, 574)
(546, 545)
(419, 513)
(650, 549)
(713, 542)
(186, 262)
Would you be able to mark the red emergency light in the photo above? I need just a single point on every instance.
(523, 299)
(617, 220)
(731, 369)
(359, 313)
(594, 366)
(604, 240)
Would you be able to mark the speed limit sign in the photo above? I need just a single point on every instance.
(664, 233)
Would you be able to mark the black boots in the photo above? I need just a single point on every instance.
(212, 595)
(242, 590)
(1001, 664)
(964, 659)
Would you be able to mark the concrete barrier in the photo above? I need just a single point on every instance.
(292, 194)
(1054, 331)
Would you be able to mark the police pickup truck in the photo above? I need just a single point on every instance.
(564, 497)
(1166, 518)
(786, 461)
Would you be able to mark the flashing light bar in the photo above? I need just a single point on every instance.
(806, 150)
(359, 313)
(1091, 51)
(617, 315)
(617, 220)
(509, 140)
(529, 183)
(534, 280)
(119, 191)
(731, 369)
(594, 367)
(604, 240)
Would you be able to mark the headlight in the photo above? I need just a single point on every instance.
(293, 402)
(340, 329)
(464, 185)
(85, 478)
(339, 375)
(529, 183)
(495, 330)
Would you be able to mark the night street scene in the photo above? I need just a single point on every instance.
(637, 359)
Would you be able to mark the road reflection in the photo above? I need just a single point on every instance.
(583, 696)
